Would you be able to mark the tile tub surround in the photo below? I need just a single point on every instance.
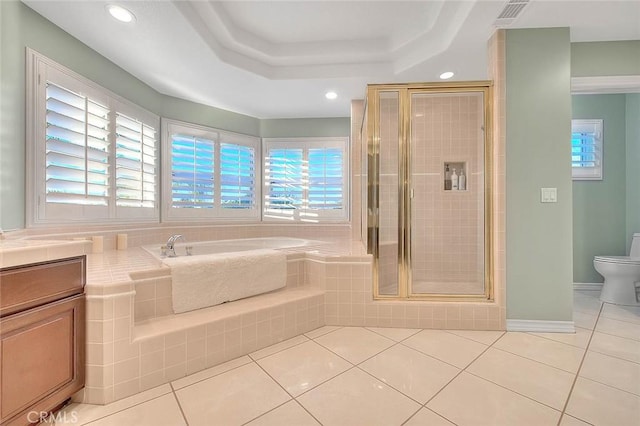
(135, 342)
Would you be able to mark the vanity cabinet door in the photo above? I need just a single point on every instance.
(41, 360)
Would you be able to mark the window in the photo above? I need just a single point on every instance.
(214, 173)
(306, 180)
(586, 149)
(94, 154)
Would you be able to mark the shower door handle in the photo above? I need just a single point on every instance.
(411, 194)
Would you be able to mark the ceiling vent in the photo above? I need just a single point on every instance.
(510, 12)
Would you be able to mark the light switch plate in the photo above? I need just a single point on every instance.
(549, 195)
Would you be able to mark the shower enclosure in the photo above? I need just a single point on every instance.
(428, 175)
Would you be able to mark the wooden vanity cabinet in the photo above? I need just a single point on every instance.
(42, 337)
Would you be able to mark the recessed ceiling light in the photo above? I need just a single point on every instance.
(120, 13)
(446, 75)
(331, 95)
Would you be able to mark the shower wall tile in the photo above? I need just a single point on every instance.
(447, 226)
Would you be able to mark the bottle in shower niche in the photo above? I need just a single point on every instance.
(462, 181)
(454, 180)
(447, 179)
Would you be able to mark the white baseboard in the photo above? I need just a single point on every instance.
(587, 286)
(539, 326)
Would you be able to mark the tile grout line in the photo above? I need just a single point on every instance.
(462, 370)
(210, 377)
(126, 408)
(277, 352)
(575, 379)
(184, 416)
(292, 398)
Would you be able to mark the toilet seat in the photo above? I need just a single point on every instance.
(618, 259)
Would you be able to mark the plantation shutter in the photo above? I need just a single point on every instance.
(237, 176)
(77, 148)
(192, 172)
(306, 180)
(135, 163)
(325, 178)
(286, 179)
(586, 149)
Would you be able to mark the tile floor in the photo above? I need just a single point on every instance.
(381, 376)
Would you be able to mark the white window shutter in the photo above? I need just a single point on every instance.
(306, 180)
(587, 149)
(326, 172)
(77, 149)
(192, 172)
(237, 176)
(92, 153)
(135, 163)
(285, 179)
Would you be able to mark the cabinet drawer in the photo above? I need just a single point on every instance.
(23, 287)
(42, 356)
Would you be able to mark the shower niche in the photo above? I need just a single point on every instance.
(426, 142)
(455, 176)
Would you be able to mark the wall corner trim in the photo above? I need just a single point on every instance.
(588, 286)
(540, 326)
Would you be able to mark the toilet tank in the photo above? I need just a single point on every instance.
(635, 246)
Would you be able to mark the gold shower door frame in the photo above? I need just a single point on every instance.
(372, 118)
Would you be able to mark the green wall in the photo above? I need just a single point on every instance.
(539, 236)
(21, 27)
(592, 59)
(599, 207)
(633, 165)
(296, 127)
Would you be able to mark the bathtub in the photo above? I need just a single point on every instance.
(228, 246)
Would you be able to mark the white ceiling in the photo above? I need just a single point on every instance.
(277, 59)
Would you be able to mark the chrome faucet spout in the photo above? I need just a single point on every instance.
(171, 248)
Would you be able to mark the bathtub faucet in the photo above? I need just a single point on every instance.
(171, 249)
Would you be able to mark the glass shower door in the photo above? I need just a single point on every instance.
(447, 195)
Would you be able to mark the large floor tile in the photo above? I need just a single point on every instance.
(290, 413)
(413, 373)
(303, 367)
(587, 302)
(481, 336)
(619, 328)
(621, 313)
(567, 420)
(579, 339)
(616, 346)
(447, 347)
(269, 350)
(356, 398)
(470, 400)
(426, 417)
(85, 413)
(540, 382)
(231, 398)
(584, 320)
(615, 372)
(603, 405)
(396, 334)
(555, 354)
(210, 372)
(157, 412)
(355, 344)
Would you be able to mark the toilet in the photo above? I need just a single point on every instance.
(621, 274)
